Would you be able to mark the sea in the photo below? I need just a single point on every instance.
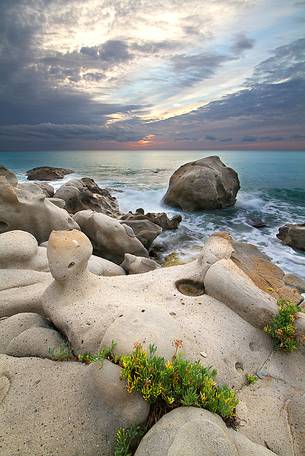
(272, 189)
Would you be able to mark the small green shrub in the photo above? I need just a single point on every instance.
(176, 382)
(105, 353)
(127, 440)
(61, 353)
(282, 327)
(251, 379)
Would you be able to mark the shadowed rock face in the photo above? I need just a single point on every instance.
(293, 235)
(203, 184)
(47, 173)
(82, 194)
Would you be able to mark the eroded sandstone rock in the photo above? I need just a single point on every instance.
(38, 412)
(138, 265)
(82, 194)
(25, 207)
(189, 431)
(110, 238)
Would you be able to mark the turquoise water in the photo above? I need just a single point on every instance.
(272, 188)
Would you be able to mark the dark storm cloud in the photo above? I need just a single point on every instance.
(28, 93)
(242, 43)
(191, 68)
(266, 104)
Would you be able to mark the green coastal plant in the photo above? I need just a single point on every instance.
(104, 353)
(127, 440)
(177, 382)
(251, 378)
(282, 326)
(61, 353)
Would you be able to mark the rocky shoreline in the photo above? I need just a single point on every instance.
(75, 272)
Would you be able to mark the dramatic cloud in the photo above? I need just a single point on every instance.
(107, 74)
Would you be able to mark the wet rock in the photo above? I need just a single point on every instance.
(203, 184)
(293, 235)
(47, 173)
(256, 222)
(159, 218)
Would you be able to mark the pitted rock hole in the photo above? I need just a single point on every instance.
(190, 287)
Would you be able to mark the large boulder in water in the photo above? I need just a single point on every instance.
(47, 173)
(203, 184)
(293, 235)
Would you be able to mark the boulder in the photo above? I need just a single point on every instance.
(293, 235)
(19, 250)
(63, 408)
(110, 238)
(160, 218)
(25, 207)
(190, 431)
(47, 189)
(203, 184)
(47, 173)
(138, 265)
(82, 194)
(145, 230)
(229, 284)
(29, 334)
(21, 291)
(8, 175)
(267, 276)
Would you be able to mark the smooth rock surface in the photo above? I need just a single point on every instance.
(229, 284)
(266, 275)
(52, 408)
(110, 238)
(138, 265)
(25, 207)
(190, 431)
(203, 184)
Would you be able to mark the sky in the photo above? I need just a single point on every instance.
(139, 74)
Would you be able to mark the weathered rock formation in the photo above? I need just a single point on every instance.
(47, 173)
(110, 238)
(159, 218)
(25, 207)
(82, 194)
(189, 431)
(203, 184)
(293, 235)
(138, 265)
